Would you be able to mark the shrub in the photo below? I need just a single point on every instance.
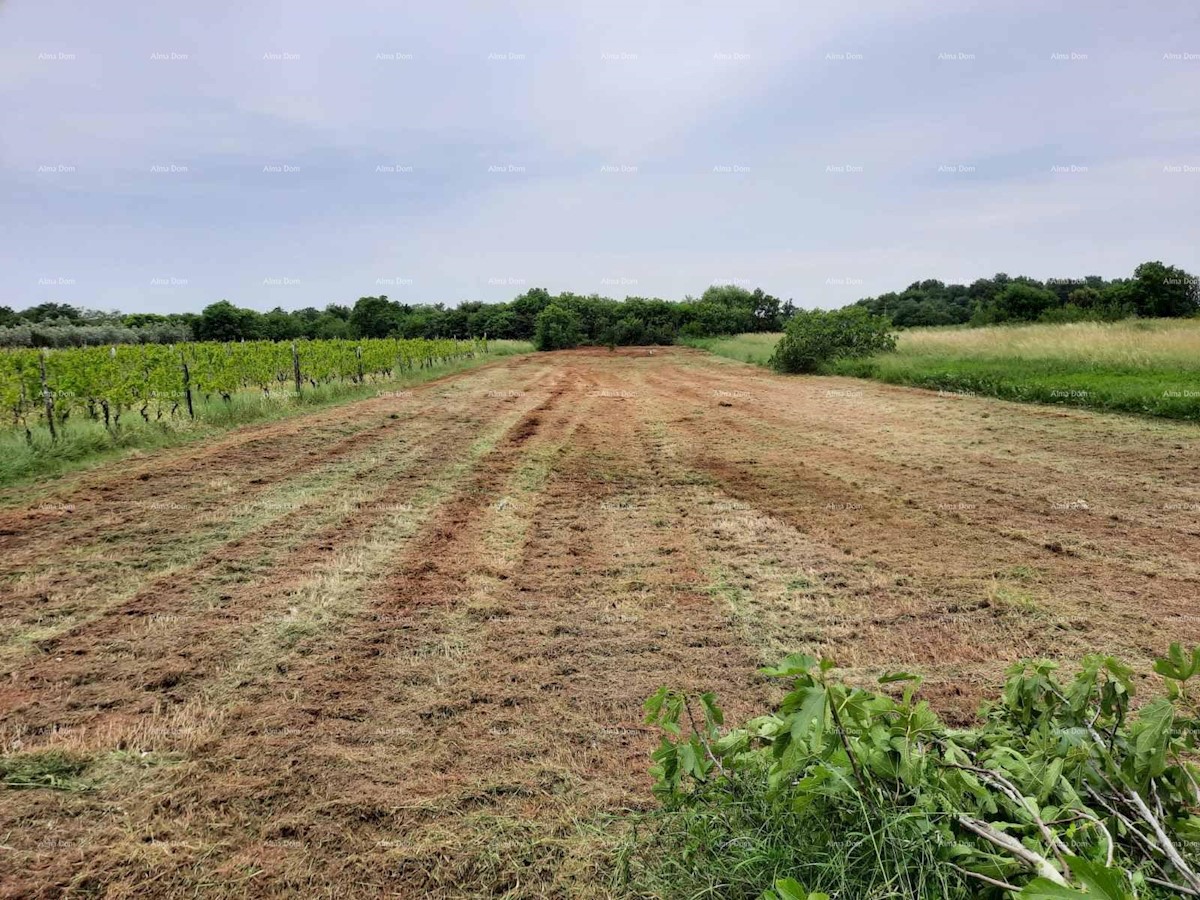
(556, 328)
(1062, 791)
(816, 337)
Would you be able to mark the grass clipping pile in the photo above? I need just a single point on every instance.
(1062, 792)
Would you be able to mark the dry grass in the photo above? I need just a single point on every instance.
(1146, 366)
(1133, 343)
(425, 677)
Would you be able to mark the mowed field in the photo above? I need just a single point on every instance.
(399, 647)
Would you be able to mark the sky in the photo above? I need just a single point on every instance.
(160, 157)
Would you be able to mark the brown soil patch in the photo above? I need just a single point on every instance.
(406, 656)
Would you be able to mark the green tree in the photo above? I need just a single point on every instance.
(374, 317)
(526, 308)
(556, 328)
(815, 337)
(46, 311)
(278, 325)
(1085, 297)
(329, 326)
(1022, 302)
(222, 321)
(1162, 290)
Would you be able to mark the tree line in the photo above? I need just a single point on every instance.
(722, 309)
(1155, 290)
(567, 319)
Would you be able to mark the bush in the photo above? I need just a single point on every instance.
(816, 337)
(1061, 792)
(556, 328)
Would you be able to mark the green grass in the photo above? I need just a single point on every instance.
(751, 348)
(1145, 366)
(737, 837)
(83, 442)
(44, 769)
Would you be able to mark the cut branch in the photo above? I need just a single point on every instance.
(1035, 861)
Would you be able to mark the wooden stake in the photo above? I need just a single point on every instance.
(47, 398)
(187, 385)
(296, 367)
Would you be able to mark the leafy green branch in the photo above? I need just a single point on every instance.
(1063, 790)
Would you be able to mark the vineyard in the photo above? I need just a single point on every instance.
(102, 383)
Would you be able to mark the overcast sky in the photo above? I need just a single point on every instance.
(158, 157)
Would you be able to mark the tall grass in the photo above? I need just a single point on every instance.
(1132, 344)
(1147, 366)
(751, 348)
(731, 840)
(82, 441)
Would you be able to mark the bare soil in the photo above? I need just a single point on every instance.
(399, 647)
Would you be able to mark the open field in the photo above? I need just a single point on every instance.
(399, 647)
(1148, 366)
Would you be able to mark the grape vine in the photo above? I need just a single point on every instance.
(154, 380)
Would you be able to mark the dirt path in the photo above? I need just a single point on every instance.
(399, 648)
